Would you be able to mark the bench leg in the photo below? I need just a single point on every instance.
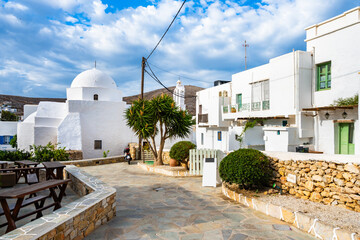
(38, 206)
(57, 199)
(11, 218)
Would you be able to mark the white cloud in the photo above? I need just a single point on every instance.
(16, 6)
(205, 43)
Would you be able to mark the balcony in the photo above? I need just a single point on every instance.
(250, 107)
(203, 118)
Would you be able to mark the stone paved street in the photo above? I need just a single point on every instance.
(151, 206)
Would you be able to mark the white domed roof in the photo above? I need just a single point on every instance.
(93, 78)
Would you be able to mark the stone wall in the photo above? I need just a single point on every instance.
(95, 161)
(75, 154)
(326, 181)
(77, 219)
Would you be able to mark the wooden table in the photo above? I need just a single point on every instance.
(54, 166)
(11, 212)
(26, 163)
(31, 169)
(4, 164)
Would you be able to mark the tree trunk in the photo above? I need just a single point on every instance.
(159, 160)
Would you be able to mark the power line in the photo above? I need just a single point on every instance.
(153, 76)
(177, 74)
(167, 29)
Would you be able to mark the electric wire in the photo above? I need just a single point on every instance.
(167, 29)
(177, 74)
(153, 76)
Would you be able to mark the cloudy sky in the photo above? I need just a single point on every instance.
(44, 44)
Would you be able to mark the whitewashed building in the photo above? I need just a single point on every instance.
(91, 120)
(292, 95)
(7, 132)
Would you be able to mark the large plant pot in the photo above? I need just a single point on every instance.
(173, 163)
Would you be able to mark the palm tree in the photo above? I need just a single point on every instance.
(148, 118)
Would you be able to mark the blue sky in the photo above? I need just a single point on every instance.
(45, 44)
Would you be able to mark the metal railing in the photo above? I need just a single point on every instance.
(203, 118)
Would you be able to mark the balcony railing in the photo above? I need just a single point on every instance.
(266, 105)
(255, 106)
(203, 118)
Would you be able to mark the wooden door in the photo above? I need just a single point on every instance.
(346, 134)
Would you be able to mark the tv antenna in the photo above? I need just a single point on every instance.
(245, 46)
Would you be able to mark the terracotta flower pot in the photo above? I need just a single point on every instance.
(173, 163)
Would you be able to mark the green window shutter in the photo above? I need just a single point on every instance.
(324, 76)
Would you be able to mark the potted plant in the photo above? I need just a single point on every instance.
(180, 152)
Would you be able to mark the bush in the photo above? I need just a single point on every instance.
(180, 151)
(49, 153)
(249, 168)
(14, 155)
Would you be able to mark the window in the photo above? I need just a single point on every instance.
(220, 94)
(200, 109)
(219, 135)
(324, 76)
(96, 97)
(7, 139)
(260, 98)
(202, 139)
(97, 144)
(225, 94)
(239, 100)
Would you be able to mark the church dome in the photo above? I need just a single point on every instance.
(93, 78)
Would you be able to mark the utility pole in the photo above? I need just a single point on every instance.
(143, 61)
(245, 46)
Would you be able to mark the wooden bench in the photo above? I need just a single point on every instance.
(11, 213)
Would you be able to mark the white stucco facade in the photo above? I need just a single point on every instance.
(292, 95)
(94, 111)
(7, 132)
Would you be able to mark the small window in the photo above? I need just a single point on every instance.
(96, 97)
(219, 135)
(97, 144)
(225, 93)
(220, 94)
(202, 139)
(7, 139)
(324, 76)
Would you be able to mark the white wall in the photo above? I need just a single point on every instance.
(337, 41)
(87, 93)
(7, 129)
(29, 109)
(104, 121)
(69, 132)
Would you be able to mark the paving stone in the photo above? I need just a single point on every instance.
(238, 236)
(181, 209)
(281, 227)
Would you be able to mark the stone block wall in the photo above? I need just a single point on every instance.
(77, 219)
(320, 181)
(75, 154)
(95, 161)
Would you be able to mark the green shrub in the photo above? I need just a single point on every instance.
(249, 168)
(180, 151)
(49, 153)
(14, 155)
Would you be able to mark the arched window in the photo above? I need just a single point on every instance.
(225, 94)
(220, 94)
(96, 97)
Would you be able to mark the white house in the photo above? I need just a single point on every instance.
(7, 132)
(292, 96)
(91, 120)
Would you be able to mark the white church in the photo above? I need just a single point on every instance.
(91, 120)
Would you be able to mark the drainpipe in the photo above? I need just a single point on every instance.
(294, 79)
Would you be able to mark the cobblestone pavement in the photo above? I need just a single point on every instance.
(151, 206)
